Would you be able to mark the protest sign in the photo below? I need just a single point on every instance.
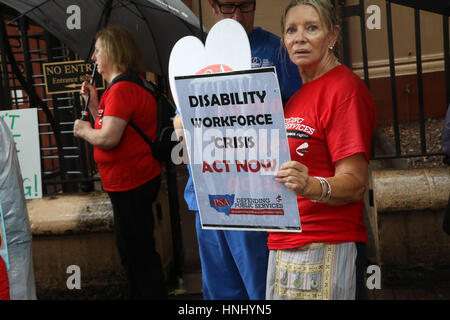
(218, 204)
(236, 140)
(23, 123)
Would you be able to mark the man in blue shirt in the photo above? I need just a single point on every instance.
(234, 263)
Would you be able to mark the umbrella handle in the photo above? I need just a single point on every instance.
(85, 112)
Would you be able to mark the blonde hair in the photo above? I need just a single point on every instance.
(325, 9)
(121, 47)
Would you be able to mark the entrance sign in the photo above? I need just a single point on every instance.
(68, 76)
(23, 123)
(236, 141)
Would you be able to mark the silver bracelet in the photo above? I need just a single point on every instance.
(328, 196)
(326, 190)
(322, 184)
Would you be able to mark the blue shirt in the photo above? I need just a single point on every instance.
(266, 52)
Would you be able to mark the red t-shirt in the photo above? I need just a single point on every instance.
(131, 163)
(328, 119)
(4, 282)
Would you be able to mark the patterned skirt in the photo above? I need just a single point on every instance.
(317, 271)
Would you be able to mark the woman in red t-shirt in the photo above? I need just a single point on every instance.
(128, 170)
(329, 123)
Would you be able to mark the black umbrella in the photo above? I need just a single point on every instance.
(156, 24)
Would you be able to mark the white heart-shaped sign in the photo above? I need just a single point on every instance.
(226, 49)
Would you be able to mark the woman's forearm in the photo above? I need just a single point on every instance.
(107, 137)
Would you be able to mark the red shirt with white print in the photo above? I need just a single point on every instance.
(328, 119)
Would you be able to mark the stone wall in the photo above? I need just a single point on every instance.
(78, 230)
(406, 213)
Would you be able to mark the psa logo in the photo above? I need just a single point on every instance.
(278, 198)
(221, 203)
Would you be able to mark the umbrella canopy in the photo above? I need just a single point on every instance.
(156, 24)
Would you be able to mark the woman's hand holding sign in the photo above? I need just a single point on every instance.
(294, 176)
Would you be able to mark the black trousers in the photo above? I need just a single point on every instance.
(134, 226)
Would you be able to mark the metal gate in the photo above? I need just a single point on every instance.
(439, 7)
(66, 162)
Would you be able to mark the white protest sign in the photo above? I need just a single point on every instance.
(23, 124)
(243, 194)
(236, 140)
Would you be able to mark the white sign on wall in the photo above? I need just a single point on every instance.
(23, 124)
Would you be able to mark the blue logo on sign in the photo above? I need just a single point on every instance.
(222, 203)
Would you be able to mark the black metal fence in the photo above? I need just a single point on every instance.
(66, 162)
(438, 7)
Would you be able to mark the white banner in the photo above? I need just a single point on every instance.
(236, 140)
(23, 124)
